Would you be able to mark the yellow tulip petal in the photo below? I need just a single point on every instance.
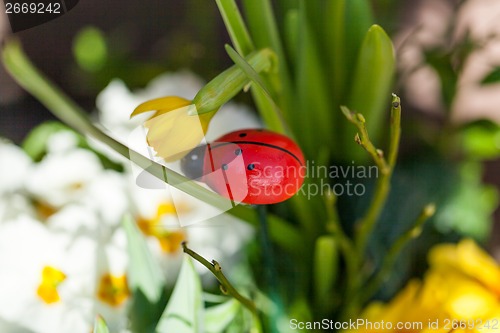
(175, 133)
(162, 105)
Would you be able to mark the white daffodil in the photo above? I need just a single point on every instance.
(52, 283)
(62, 178)
(41, 290)
(107, 195)
(14, 167)
(61, 142)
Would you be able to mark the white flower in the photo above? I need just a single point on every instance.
(61, 178)
(13, 168)
(51, 282)
(61, 142)
(107, 195)
(34, 280)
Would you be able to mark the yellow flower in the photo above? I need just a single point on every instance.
(469, 259)
(459, 293)
(172, 130)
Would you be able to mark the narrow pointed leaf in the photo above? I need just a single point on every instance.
(313, 115)
(372, 83)
(100, 325)
(235, 26)
(218, 317)
(230, 82)
(184, 311)
(144, 273)
(271, 116)
(325, 268)
(492, 77)
(265, 33)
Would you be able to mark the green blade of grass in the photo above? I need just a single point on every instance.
(314, 117)
(236, 27)
(372, 84)
(271, 115)
(145, 274)
(291, 35)
(265, 33)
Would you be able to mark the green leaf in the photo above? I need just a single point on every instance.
(335, 39)
(271, 115)
(235, 26)
(372, 84)
(218, 317)
(184, 310)
(481, 140)
(292, 28)
(358, 19)
(469, 209)
(144, 272)
(492, 77)
(325, 269)
(442, 63)
(265, 33)
(35, 144)
(230, 82)
(313, 117)
(100, 325)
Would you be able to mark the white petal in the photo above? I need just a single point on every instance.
(14, 165)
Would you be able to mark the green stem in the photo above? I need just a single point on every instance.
(269, 266)
(367, 223)
(227, 287)
(375, 283)
(334, 227)
(365, 226)
(230, 82)
(363, 139)
(345, 244)
(269, 110)
(395, 130)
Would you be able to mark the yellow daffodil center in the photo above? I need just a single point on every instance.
(44, 210)
(51, 279)
(113, 290)
(170, 239)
